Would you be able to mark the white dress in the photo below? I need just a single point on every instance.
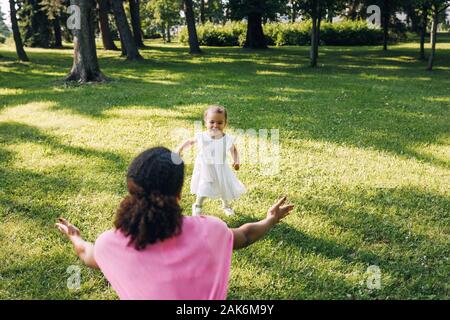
(212, 176)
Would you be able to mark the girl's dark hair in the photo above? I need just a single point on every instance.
(150, 212)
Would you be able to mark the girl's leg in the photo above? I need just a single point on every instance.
(197, 206)
(226, 203)
(199, 201)
(227, 207)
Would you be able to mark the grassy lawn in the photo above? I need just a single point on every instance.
(365, 156)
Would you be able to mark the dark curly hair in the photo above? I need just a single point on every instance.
(150, 212)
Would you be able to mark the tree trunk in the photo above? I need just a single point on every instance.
(163, 32)
(123, 48)
(319, 19)
(314, 46)
(21, 54)
(423, 31)
(433, 38)
(57, 31)
(386, 14)
(168, 33)
(255, 36)
(136, 23)
(314, 40)
(126, 38)
(202, 11)
(85, 64)
(192, 31)
(105, 30)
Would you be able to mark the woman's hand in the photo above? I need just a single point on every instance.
(67, 228)
(84, 249)
(278, 211)
(236, 166)
(248, 233)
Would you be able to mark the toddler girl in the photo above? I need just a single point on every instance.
(212, 177)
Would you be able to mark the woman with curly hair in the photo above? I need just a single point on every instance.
(154, 252)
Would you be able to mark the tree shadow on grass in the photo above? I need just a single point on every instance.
(32, 201)
(29, 194)
(16, 132)
(400, 230)
(45, 276)
(344, 105)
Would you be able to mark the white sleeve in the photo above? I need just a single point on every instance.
(198, 138)
(230, 141)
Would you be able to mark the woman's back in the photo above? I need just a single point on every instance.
(193, 265)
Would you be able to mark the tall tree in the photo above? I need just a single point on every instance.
(316, 10)
(385, 14)
(21, 54)
(126, 38)
(194, 47)
(136, 22)
(214, 11)
(103, 8)
(166, 13)
(315, 31)
(413, 17)
(36, 26)
(202, 11)
(85, 66)
(53, 10)
(293, 9)
(389, 9)
(57, 32)
(437, 7)
(255, 11)
(423, 6)
(353, 9)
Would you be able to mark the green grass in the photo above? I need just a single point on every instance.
(365, 157)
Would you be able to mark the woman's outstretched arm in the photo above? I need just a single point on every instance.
(249, 233)
(84, 249)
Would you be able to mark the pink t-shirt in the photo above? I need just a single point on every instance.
(193, 265)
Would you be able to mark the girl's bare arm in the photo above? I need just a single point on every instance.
(185, 145)
(235, 157)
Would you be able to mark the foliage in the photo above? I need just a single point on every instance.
(298, 33)
(268, 9)
(229, 34)
(52, 8)
(34, 25)
(214, 11)
(165, 12)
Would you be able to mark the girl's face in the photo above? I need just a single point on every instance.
(215, 123)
